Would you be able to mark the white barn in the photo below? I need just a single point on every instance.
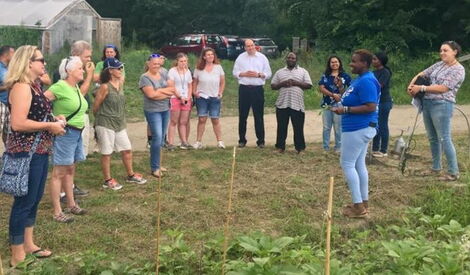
(60, 21)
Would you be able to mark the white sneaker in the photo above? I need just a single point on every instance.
(379, 154)
(220, 144)
(197, 145)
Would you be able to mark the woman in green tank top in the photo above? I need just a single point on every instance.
(110, 123)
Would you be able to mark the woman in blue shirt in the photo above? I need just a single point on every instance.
(332, 84)
(359, 121)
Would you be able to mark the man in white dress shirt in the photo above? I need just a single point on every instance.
(251, 69)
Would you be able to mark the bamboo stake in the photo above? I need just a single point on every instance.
(159, 184)
(229, 211)
(328, 226)
(1, 266)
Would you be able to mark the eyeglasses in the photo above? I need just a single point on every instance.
(42, 60)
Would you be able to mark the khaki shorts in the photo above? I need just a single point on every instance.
(110, 140)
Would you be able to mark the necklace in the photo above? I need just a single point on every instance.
(182, 79)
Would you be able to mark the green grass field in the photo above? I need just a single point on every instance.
(274, 195)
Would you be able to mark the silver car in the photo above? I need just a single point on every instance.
(266, 46)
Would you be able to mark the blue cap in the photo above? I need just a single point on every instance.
(112, 63)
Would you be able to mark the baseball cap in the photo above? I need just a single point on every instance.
(112, 63)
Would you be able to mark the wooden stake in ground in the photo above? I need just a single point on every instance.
(328, 226)
(159, 185)
(1, 266)
(228, 215)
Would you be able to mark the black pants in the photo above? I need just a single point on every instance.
(251, 96)
(298, 119)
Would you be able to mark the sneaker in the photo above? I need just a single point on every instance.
(77, 192)
(184, 146)
(76, 210)
(62, 218)
(197, 145)
(112, 184)
(261, 145)
(378, 154)
(220, 144)
(241, 144)
(136, 178)
(171, 147)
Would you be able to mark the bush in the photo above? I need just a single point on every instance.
(17, 36)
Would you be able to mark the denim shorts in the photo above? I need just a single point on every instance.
(208, 107)
(68, 149)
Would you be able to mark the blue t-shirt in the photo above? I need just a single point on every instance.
(329, 82)
(364, 89)
(3, 93)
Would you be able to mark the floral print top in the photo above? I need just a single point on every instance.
(18, 142)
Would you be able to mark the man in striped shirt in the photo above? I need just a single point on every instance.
(291, 81)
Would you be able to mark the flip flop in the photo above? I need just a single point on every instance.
(23, 265)
(41, 253)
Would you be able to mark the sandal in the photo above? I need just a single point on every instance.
(163, 169)
(62, 218)
(429, 173)
(76, 210)
(41, 253)
(449, 177)
(23, 265)
(157, 173)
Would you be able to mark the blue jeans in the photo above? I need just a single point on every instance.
(158, 123)
(331, 119)
(381, 139)
(353, 161)
(208, 107)
(24, 209)
(436, 117)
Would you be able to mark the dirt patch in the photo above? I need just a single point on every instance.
(401, 118)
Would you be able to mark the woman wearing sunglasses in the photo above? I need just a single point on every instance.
(28, 108)
(67, 100)
(109, 108)
(156, 92)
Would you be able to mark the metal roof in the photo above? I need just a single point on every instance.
(36, 13)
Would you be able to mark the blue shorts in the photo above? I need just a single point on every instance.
(208, 107)
(68, 149)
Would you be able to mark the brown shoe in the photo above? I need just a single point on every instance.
(356, 210)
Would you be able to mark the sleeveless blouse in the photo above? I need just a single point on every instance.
(112, 112)
(19, 142)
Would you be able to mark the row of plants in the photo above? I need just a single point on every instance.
(421, 244)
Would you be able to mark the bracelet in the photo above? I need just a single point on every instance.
(346, 110)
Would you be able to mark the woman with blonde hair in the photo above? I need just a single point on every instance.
(31, 126)
(208, 88)
(156, 92)
(67, 100)
(180, 77)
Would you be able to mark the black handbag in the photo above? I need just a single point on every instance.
(421, 80)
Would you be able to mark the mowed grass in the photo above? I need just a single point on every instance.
(277, 194)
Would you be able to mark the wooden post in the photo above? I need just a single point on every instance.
(328, 226)
(159, 185)
(228, 215)
(1, 266)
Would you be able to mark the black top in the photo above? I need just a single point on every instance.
(383, 76)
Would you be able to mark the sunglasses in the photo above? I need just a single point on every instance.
(67, 62)
(42, 60)
(156, 55)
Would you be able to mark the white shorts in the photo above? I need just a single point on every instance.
(110, 140)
